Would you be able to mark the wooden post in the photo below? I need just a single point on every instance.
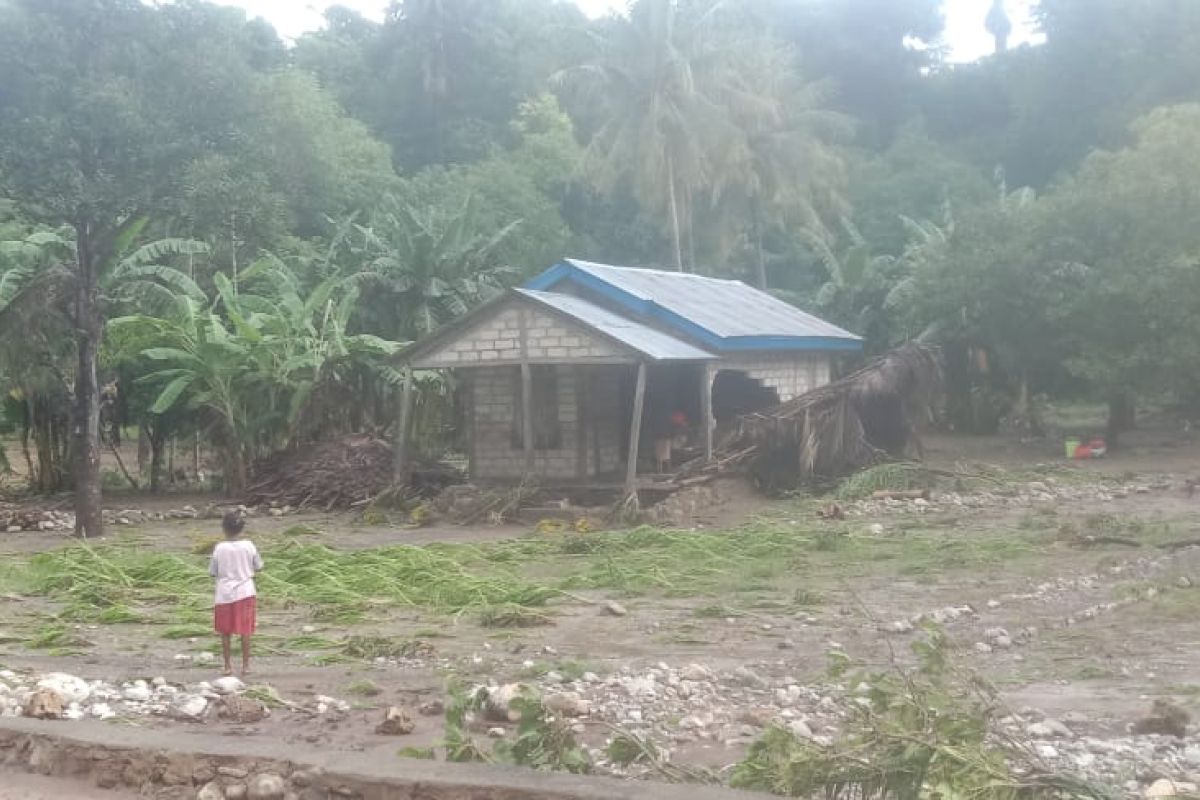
(706, 417)
(400, 462)
(582, 413)
(527, 414)
(635, 430)
(526, 392)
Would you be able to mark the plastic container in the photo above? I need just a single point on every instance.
(1072, 445)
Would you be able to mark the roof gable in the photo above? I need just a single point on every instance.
(723, 315)
(557, 328)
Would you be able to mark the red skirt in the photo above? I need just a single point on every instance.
(236, 619)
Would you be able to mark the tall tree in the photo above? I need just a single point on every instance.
(998, 25)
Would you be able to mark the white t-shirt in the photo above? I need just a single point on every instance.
(233, 564)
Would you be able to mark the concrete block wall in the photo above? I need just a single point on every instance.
(497, 340)
(790, 376)
(494, 452)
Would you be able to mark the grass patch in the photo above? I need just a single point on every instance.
(188, 631)
(364, 688)
(58, 639)
(372, 647)
(511, 615)
(570, 670)
(301, 530)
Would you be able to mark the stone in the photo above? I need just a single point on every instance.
(235, 791)
(45, 704)
(495, 733)
(211, 791)
(899, 626)
(615, 609)
(983, 648)
(204, 658)
(1168, 788)
(69, 687)
(396, 722)
(189, 708)
(567, 704)
(239, 708)
(432, 708)
(695, 672)
(232, 772)
(756, 717)
(749, 678)
(640, 687)
(498, 706)
(800, 729)
(1165, 718)
(266, 786)
(1046, 751)
(137, 693)
(228, 685)
(1050, 729)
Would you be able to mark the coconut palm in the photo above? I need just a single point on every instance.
(654, 113)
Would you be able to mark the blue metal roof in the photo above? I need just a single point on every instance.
(721, 314)
(652, 343)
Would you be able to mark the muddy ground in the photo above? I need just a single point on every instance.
(1094, 629)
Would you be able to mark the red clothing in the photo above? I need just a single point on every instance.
(238, 618)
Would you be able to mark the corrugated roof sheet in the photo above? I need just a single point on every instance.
(721, 313)
(652, 343)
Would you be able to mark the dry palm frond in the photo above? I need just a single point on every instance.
(860, 420)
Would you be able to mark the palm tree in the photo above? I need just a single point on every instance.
(427, 265)
(780, 163)
(999, 25)
(654, 113)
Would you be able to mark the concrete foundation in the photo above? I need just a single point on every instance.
(176, 768)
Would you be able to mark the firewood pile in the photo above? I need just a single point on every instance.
(348, 472)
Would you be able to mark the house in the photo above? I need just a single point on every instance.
(598, 374)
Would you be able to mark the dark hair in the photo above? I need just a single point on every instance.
(233, 522)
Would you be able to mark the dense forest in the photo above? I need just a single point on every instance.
(220, 237)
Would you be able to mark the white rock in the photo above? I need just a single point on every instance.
(1050, 729)
(800, 729)
(749, 678)
(74, 711)
(158, 682)
(696, 672)
(1046, 751)
(72, 689)
(1168, 788)
(309, 629)
(496, 733)
(983, 647)
(266, 786)
(639, 687)
(103, 711)
(211, 791)
(137, 693)
(189, 707)
(228, 685)
(568, 704)
(204, 658)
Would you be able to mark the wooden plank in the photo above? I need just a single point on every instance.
(582, 413)
(706, 384)
(635, 430)
(400, 462)
(594, 424)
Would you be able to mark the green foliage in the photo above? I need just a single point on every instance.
(884, 477)
(542, 741)
(908, 734)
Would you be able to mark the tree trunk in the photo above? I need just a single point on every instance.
(85, 425)
(158, 445)
(143, 447)
(1122, 416)
(758, 246)
(675, 235)
(689, 220)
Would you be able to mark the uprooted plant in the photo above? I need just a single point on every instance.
(542, 742)
(919, 733)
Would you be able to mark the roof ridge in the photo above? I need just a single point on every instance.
(670, 273)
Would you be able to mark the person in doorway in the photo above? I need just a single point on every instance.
(234, 563)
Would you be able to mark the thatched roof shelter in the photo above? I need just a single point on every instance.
(859, 420)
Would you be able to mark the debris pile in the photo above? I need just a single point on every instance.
(348, 472)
